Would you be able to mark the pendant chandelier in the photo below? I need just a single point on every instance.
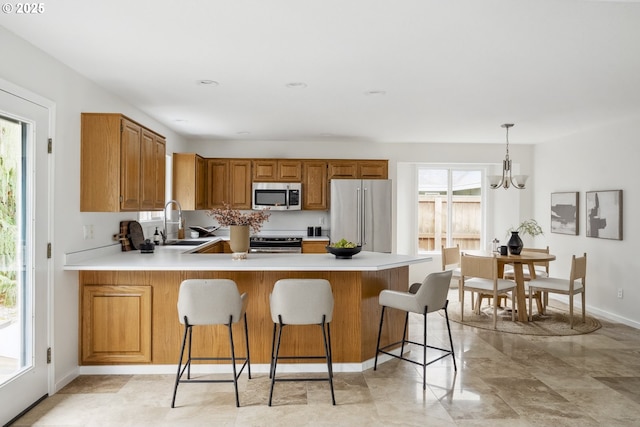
(507, 180)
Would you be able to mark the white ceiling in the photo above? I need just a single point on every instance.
(451, 70)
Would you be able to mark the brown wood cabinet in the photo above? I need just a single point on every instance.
(314, 246)
(229, 181)
(115, 324)
(190, 181)
(121, 163)
(275, 170)
(358, 169)
(314, 185)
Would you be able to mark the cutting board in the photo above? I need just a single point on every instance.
(123, 237)
(136, 235)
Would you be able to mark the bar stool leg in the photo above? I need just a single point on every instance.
(327, 350)
(424, 349)
(178, 375)
(375, 363)
(446, 316)
(233, 361)
(246, 342)
(275, 360)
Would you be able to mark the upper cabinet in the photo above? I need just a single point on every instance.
(122, 165)
(358, 169)
(274, 170)
(229, 181)
(190, 181)
(314, 185)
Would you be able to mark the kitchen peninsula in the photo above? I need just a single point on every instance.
(128, 302)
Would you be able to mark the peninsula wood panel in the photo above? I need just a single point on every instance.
(353, 329)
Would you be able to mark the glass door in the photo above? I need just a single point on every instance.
(24, 233)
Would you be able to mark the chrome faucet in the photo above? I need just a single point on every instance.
(165, 233)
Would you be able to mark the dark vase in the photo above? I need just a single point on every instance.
(515, 243)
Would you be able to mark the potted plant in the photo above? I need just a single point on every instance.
(528, 226)
(239, 224)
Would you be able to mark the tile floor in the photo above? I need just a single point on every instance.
(502, 380)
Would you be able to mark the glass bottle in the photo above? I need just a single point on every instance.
(156, 237)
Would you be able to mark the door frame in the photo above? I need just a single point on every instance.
(50, 106)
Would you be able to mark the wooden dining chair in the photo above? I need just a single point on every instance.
(572, 286)
(480, 274)
(541, 269)
(451, 261)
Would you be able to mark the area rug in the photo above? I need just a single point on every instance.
(555, 322)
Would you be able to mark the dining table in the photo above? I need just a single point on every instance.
(517, 261)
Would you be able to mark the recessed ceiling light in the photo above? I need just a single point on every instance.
(244, 132)
(207, 82)
(181, 120)
(375, 92)
(296, 85)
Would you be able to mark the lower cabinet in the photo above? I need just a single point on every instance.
(314, 246)
(115, 324)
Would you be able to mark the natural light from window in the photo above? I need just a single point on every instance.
(449, 208)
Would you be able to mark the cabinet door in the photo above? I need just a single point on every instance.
(314, 185)
(343, 169)
(217, 182)
(116, 324)
(314, 247)
(289, 170)
(161, 172)
(240, 184)
(130, 166)
(189, 181)
(201, 183)
(265, 170)
(148, 171)
(373, 169)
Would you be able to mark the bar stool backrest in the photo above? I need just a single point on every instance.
(210, 301)
(434, 290)
(301, 301)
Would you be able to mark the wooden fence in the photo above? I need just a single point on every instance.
(466, 222)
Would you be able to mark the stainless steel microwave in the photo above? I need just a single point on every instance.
(277, 196)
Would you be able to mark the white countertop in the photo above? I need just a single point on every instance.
(178, 258)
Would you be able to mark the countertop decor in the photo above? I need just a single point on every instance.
(343, 253)
(227, 216)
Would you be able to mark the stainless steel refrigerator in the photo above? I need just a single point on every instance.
(361, 213)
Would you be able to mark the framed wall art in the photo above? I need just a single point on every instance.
(604, 214)
(564, 213)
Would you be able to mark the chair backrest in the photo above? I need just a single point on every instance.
(301, 301)
(479, 266)
(434, 290)
(450, 257)
(578, 269)
(544, 264)
(209, 301)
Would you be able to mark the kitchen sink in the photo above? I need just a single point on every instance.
(185, 242)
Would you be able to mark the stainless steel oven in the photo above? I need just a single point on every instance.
(275, 244)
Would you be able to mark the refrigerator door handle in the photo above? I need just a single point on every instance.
(359, 216)
(364, 217)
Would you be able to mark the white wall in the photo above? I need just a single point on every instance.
(29, 68)
(604, 158)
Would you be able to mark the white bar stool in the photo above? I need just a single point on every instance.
(210, 302)
(430, 296)
(301, 302)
